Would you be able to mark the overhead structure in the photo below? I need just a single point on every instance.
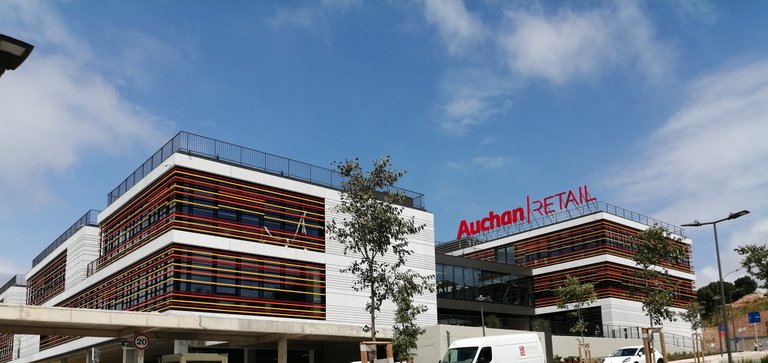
(13, 52)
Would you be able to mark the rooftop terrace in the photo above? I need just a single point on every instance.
(90, 218)
(202, 146)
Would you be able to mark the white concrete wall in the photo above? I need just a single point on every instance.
(14, 295)
(82, 248)
(627, 313)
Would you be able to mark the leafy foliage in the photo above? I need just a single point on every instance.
(755, 261)
(406, 332)
(540, 324)
(657, 247)
(576, 296)
(373, 230)
(709, 297)
(692, 315)
(746, 285)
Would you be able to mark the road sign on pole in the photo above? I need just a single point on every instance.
(754, 317)
(140, 341)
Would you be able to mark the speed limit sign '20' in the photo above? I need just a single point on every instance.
(140, 341)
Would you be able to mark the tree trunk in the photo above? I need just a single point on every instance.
(373, 309)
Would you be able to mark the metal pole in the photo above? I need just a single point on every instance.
(757, 342)
(733, 325)
(722, 296)
(482, 318)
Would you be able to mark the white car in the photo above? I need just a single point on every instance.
(632, 354)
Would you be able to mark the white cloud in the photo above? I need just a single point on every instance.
(472, 97)
(309, 18)
(302, 18)
(573, 45)
(56, 109)
(139, 57)
(458, 29)
(707, 160)
(479, 163)
(490, 162)
(561, 48)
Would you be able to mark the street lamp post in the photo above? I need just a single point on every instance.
(720, 270)
(482, 299)
(13, 52)
(733, 324)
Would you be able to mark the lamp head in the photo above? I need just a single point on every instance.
(695, 223)
(738, 214)
(13, 52)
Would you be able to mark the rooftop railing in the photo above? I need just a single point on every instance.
(16, 280)
(89, 219)
(202, 146)
(549, 219)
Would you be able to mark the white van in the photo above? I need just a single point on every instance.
(514, 348)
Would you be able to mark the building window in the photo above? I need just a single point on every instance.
(464, 283)
(505, 254)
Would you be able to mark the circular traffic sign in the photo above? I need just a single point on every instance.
(140, 341)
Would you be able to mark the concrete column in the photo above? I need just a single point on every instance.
(129, 355)
(282, 351)
(180, 346)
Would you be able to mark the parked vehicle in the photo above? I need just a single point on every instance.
(632, 354)
(517, 348)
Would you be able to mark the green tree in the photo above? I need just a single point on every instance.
(540, 324)
(574, 295)
(492, 321)
(746, 285)
(372, 228)
(655, 249)
(755, 260)
(709, 297)
(692, 315)
(406, 331)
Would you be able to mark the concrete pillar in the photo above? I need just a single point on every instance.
(180, 346)
(129, 355)
(282, 350)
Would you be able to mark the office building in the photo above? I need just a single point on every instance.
(209, 228)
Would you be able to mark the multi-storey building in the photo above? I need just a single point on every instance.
(13, 292)
(207, 227)
(590, 240)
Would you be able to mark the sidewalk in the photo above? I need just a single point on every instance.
(737, 357)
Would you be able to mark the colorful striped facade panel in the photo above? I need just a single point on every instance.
(48, 282)
(197, 279)
(611, 281)
(602, 237)
(195, 201)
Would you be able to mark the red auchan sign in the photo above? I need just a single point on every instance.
(532, 209)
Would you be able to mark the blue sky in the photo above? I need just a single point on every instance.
(661, 107)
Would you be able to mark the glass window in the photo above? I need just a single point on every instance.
(460, 355)
(485, 356)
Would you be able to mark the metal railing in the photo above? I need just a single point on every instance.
(16, 280)
(549, 219)
(618, 332)
(202, 146)
(89, 219)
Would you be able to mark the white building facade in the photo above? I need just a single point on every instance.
(206, 227)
